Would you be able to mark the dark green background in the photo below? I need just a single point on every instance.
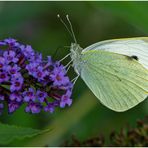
(36, 23)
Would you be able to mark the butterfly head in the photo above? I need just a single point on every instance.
(75, 50)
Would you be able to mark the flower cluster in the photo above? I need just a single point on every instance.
(27, 78)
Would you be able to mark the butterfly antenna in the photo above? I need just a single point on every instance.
(65, 25)
(71, 28)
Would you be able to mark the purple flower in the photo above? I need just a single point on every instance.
(33, 108)
(16, 76)
(60, 67)
(41, 95)
(13, 106)
(3, 77)
(32, 67)
(12, 69)
(29, 95)
(28, 51)
(58, 77)
(37, 57)
(68, 86)
(10, 56)
(10, 41)
(37, 71)
(16, 82)
(66, 99)
(15, 97)
(49, 108)
(40, 73)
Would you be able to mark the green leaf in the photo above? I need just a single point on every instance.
(8, 133)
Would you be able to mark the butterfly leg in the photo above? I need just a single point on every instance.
(65, 57)
(68, 64)
(68, 68)
(75, 79)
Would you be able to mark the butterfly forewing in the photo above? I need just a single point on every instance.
(118, 81)
(133, 47)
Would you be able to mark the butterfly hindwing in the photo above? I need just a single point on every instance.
(119, 82)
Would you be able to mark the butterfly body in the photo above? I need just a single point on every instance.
(76, 56)
(115, 70)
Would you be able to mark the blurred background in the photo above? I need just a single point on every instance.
(36, 23)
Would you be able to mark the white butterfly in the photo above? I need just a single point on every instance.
(115, 70)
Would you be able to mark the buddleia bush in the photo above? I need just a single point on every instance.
(126, 137)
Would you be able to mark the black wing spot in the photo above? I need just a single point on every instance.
(134, 57)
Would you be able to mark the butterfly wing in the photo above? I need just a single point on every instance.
(118, 81)
(137, 47)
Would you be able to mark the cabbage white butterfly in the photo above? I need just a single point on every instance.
(116, 70)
